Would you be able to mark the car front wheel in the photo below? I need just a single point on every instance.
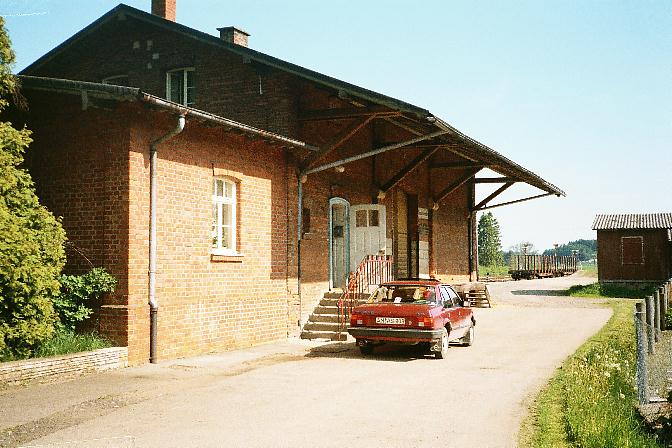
(444, 345)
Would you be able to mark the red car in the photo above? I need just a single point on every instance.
(412, 312)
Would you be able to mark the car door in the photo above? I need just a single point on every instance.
(459, 313)
(451, 311)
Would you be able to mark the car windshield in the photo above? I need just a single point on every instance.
(415, 294)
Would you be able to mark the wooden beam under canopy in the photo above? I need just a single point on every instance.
(494, 180)
(347, 113)
(455, 185)
(456, 165)
(371, 153)
(496, 193)
(340, 138)
(517, 201)
(401, 175)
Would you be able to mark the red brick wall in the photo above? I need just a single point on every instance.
(92, 168)
(208, 305)
(79, 162)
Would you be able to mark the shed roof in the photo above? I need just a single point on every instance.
(473, 149)
(633, 221)
(121, 93)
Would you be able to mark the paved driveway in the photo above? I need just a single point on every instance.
(305, 394)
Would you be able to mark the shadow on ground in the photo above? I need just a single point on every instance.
(381, 353)
(540, 292)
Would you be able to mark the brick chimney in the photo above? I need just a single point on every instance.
(164, 8)
(233, 35)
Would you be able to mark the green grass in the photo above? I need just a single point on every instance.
(589, 270)
(65, 342)
(501, 270)
(590, 402)
(598, 290)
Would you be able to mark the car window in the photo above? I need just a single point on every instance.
(455, 297)
(451, 295)
(417, 294)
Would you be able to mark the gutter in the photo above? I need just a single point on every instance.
(153, 303)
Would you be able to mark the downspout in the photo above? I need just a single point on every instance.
(153, 303)
(299, 226)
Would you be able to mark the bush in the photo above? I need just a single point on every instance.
(79, 290)
(31, 238)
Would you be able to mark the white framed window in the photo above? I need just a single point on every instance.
(180, 86)
(118, 80)
(224, 205)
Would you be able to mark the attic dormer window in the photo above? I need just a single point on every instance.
(180, 86)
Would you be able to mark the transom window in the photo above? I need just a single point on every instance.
(180, 86)
(366, 218)
(224, 217)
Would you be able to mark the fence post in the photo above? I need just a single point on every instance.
(663, 308)
(642, 377)
(649, 324)
(656, 317)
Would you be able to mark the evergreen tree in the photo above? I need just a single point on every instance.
(489, 241)
(31, 238)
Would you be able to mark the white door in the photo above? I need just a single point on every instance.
(367, 232)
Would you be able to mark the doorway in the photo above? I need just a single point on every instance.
(367, 224)
(339, 242)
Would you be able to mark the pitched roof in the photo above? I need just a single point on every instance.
(120, 93)
(473, 149)
(633, 221)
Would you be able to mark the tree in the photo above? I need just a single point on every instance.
(31, 238)
(524, 247)
(489, 241)
(585, 249)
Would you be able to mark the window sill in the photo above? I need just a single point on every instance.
(227, 258)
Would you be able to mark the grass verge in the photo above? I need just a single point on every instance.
(590, 402)
(65, 342)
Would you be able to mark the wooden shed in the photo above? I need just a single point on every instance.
(634, 248)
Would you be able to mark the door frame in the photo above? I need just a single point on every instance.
(346, 237)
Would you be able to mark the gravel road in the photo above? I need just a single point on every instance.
(310, 394)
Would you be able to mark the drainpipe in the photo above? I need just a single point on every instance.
(299, 226)
(153, 303)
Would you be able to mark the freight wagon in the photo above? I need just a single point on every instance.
(539, 266)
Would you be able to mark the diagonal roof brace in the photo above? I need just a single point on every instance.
(496, 193)
(408, 169)
(454, 186)
(373, 152)
(516, 201)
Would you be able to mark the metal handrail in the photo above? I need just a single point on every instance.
(372, 270)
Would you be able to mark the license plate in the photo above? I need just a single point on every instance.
(391, 320)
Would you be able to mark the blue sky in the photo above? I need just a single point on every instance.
(580, 92)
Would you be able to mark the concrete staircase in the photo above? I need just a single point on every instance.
(323, 322)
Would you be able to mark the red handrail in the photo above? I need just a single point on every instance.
(372, 270)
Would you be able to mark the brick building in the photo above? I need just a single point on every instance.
(339, 172)
(634, 248)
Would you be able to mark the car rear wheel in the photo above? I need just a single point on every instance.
(444, 345)
(468, 338)
(366, 349)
